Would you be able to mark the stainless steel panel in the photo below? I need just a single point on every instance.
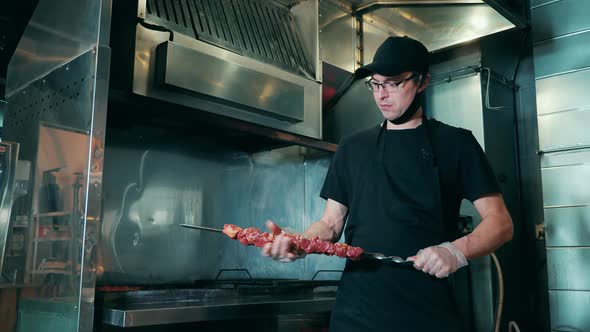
(568, 268)
(569, 310)
(57, 33)
(560, 18)
(460, 60)
(8, 162)
(306, 17)
(562, 55)
(564, 185)
(264, 94)
(144, 77)
(256, 188)
(565, 158)
(538, 3)
(213, 306)
(240, 25)
(55, 119)
(567, 226)
(92, 189)
(337, 36)
(443, 26)
(563, 92)
(564, 130)
(458, 103)
(149, 193)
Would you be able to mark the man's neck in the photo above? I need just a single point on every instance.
(414, 122)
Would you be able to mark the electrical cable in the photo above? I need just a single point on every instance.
(511, 324)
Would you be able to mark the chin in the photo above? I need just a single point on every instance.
(390, 117)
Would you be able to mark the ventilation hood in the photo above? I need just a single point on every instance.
(265, 62)
(439, 24)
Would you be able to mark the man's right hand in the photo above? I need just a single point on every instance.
(281, 249)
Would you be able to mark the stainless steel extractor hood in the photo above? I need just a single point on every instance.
(261, 61)
(351, 30)
(251, 60)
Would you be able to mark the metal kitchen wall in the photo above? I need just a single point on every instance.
(561, 31)
(152, 185)
(56, 110)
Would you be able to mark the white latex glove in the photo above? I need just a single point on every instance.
(281, 249)
(440, 260)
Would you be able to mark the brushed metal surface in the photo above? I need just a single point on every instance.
(565, 158)
(562, 185)
(538, 3)
(229, 82)
(563, 130)
(150, 189)
(57, 33)
(337, 36)
(562, 55)
(548, 21)
(59, 120)
(454, 103)
(567, 226)
(215, 309)
(8, 162)
(441, 26)
(569, 310)
(145, 74)
(568, 268)
(551, 92)
(256, 28)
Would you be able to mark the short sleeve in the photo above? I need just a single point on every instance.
(477, 176)
(336, 184)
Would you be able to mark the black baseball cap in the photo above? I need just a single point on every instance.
(395, 56)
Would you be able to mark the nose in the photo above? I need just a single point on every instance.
(381, 93)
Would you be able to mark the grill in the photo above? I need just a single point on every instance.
(255, 28)
(222, 301)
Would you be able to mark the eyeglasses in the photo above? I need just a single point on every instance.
(389, 87)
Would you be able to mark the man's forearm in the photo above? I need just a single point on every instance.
(323, 230)
(493, 231)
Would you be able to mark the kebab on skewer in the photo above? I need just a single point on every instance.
(253, 236)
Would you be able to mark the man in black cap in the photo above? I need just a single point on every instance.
(398, 187)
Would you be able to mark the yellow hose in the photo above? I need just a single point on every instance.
(511, 324)
(500, 293)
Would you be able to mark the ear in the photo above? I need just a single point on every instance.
(425, 83)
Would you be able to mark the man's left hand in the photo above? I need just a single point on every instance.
(439, 261)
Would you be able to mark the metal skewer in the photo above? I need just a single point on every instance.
(203, 228)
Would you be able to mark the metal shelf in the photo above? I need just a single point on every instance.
(148, 314)
(53, 214)
(53, 239)
(53, 271)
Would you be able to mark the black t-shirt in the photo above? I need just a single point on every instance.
(403, 194)
(464, 170)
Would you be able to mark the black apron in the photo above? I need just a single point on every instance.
(397, 212)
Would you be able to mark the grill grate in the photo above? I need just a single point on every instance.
(255, 28)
